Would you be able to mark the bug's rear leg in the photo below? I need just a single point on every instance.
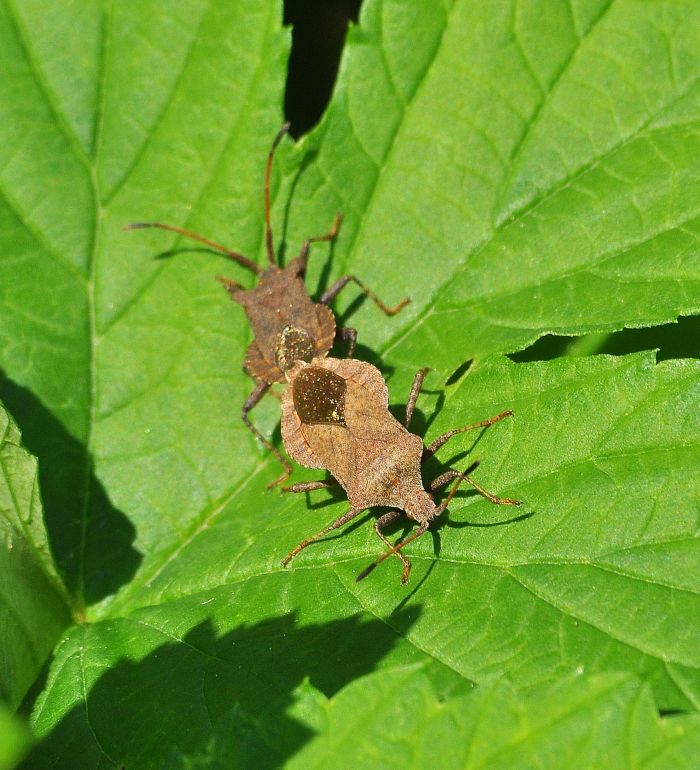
(260, 389)
(442, 440)
(448, 476)
(341, 283)
(379, 525)
(344, 519)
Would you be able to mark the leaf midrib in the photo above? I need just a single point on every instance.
(92, 334)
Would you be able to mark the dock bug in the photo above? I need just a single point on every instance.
(287, 324)
(335, 416)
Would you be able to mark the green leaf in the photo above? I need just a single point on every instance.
(33, 603)
(14, 739)
(532, 168)
(517, 169)
(395, 719)
(191, 661)
(598, 574)
(181, 119)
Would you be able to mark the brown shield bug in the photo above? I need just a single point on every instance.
(287, 324)
(335, 416)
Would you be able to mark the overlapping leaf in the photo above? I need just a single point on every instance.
(33, 603)
(585, 722)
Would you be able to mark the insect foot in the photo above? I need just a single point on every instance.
(335, 416)
(288, 326)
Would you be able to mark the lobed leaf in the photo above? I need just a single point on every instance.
(517, 169)
(394, 719)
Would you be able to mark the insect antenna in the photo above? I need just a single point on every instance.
(234, 255)
(268, 228)
(422, 529)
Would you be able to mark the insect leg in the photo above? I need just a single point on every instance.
(260, 389)
(422, 529)
(442, 440)
(413, 395)
(446, 477)
(341, 283)
(344, 519)
(348, 333)
(310, 486)
(488, 495)
(379, 525)
(329, 236)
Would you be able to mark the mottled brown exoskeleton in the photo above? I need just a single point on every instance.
(335, 416)
(287, 324)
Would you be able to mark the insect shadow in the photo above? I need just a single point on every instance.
(459, 372)
(250, 675)
(308, 158)
(417, 587)
(420, 422)
(434, 466)
(372, 357)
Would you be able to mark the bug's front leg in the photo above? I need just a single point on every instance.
(442, 440)
(384, 521)
(341, 283)
(329, 236)
(253, 399)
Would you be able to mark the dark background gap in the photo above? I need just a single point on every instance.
(673, 340)
(318, 35)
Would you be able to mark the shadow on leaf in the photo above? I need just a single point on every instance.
(69, 487)
(173, 702)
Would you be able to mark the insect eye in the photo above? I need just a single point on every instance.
(319, 396)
